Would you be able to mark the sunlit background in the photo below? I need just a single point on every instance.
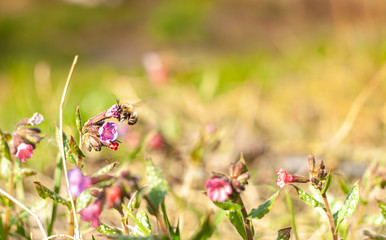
(274, 80)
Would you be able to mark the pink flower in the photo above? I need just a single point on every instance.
(283, 178)
(108, 132)
(113, 146)
(113, 196)
(155, 68)
(78, 182)
(112, 112)
(24, 151)
(156, 142)
(218, 189)
(91, 213)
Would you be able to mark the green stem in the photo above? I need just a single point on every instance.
(10, 191)
(329, 215)
(247, 222)
(291, 209)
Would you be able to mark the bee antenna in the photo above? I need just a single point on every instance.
(118, 102)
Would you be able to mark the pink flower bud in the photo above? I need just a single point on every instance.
(91, 213)
(114, 146)
(218, 189)
(283, 178)
(24, 151)
(112, 112)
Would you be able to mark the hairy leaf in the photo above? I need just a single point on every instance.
(236, 218)
(83, 199)
(284, 234)
(106, 169)
(78, 120)
(106, 230)
(327, 184)
(74, 148)
(158, 186)
(4, 148)
(308, 198)
(349, 206)
(143, 219)
(44, 192)
(263, 208)
(228, 206)
(382, 206)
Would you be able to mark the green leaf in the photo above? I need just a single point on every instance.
(83, 199)
(2, 235)
(174, 234)
(284, 234)
(236, 218)
(206, 229)
(349, 206)
(67, 151)
(263, 208)
(228, 206)
(44, 192)
(158, 186)
(308, 198)
(327, 184)
(4, 148)
(382, 206)
(106, 169)
(74, 148)
(4, 169)
(106, 230)
(343, 185)
(78, 119)
(143, 219)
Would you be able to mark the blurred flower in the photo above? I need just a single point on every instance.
(108, 132)
(36, 119)
(218, 189)
(91, 213)
(24, 151)
(114, 146)
(78, 182)
(113, 196)
(156, 142)
(155, 68)
(283, 178)
(112, 112)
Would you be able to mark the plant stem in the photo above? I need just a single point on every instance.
(291, 209)
(247, 222)
(73, 212)
(156, 213)
(10, 190)
(330, 218)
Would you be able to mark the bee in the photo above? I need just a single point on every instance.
(126, 111)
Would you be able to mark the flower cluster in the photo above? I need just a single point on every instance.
(23, 140)
(97, 133)
(221, 188)
(317, 172)
(112, 195)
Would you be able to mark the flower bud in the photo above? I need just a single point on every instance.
(232, 170)
(238, 169)
(319, 166)
(311, 163)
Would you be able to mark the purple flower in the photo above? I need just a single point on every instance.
(91, 213)
(108, 132)
(78, 182)
(218, 189)
(112, 112)
(24, 151)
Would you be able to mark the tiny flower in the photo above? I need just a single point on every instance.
(108, 132)
(113, 146)
(283, 178)
(24, 151)
(78, 182)
(112, 112)
(218, 189)
(91, 213)
(113, 196)
(36, 119)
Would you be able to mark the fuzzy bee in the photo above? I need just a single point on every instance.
(126, 111)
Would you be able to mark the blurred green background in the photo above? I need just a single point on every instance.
(276, 79)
